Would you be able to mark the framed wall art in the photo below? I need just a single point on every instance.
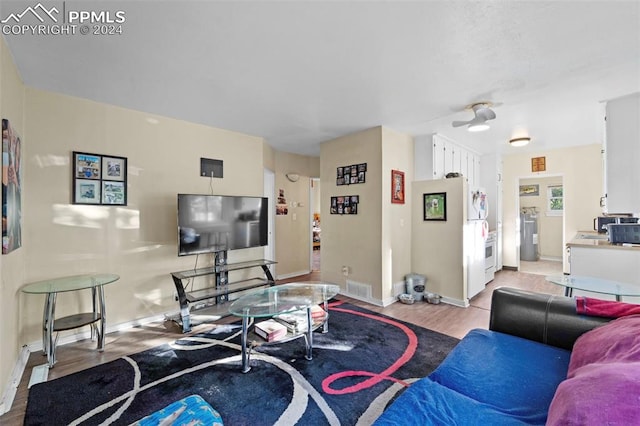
(11, 188)
(529, 190)
(99, 179)
(435, 206)
(345, 204)
(351, 175)
(397, 187)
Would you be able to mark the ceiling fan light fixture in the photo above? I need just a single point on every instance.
(518, 142)
(478, 127)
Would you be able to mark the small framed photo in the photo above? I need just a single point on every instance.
(114, 193)
(397, 187)
(86, 191)
(435, 206)
(86, 166)
(113, 168)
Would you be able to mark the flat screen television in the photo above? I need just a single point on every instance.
(212, 223)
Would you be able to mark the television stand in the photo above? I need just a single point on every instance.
(223, 288)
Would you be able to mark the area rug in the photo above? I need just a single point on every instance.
(362, 364)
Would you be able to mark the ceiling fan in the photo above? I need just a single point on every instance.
(483, 113)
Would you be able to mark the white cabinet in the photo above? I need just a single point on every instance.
(439, 158)
(447, 156)
(622, 151)
(436, 155)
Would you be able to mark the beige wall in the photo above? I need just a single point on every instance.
(12, 267)
(352, 240)
(582, 173)
(137, 241)
(437, 247)
(549, 227)
(397, 154)
(293, 230)
(374, 244)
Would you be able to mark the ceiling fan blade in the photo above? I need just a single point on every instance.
(460, 123)
(486, 114)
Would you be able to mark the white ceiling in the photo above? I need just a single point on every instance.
(300, 73)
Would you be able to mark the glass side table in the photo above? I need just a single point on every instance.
(280, 299)
(50, 324)
(594, 285)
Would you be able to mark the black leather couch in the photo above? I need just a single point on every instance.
(539, 317)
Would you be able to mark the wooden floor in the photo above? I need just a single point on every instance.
(447, 319)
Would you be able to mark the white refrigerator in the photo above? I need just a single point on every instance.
(476, 233)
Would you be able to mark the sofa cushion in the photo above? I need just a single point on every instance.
(516, 376)
(599, 394)
(426, 402)
(616, 341)
(603, 385)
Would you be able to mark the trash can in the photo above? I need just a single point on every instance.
(415, 285)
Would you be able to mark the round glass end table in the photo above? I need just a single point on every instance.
(50, 324)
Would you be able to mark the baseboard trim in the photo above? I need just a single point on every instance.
(14, 381)
(551, 258)
(292, 275)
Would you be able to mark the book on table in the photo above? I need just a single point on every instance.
(270, 330)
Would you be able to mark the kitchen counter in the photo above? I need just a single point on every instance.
(592, 239)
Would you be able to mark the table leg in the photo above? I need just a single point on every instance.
(50, 343)
(243, 342)
(325, 326)
(103, 318)
(309, 355)
(568, 291)
(45, 325)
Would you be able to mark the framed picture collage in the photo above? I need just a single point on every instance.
(99, 179)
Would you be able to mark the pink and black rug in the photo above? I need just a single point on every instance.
(363, 363)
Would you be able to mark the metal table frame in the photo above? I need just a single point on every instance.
(50, 324)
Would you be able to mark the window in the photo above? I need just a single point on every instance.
(555, 200)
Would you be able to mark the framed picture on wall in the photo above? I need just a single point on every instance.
(99, 179)
(86, 191)
(113, 168)
(397, 187)
(435, 206)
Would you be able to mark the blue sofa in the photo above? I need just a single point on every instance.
(505, 375)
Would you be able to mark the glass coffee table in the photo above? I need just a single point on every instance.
(594, 285)
(282, 299)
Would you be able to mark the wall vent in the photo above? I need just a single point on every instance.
(357, 289)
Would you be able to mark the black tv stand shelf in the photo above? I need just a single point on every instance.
(223, 288)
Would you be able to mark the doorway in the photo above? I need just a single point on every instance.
(541, 219)
(316, 224)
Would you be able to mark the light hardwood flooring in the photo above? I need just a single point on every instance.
(447, 319)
